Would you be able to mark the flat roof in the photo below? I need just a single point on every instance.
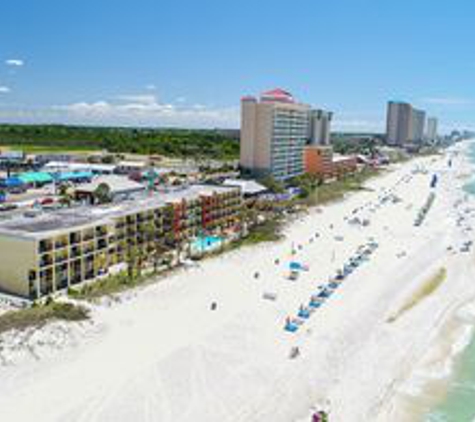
(55, 222)
(117, 184)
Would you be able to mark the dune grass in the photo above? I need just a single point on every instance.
(337, 189)
(108, 286)
(40, 314)
(424, 291)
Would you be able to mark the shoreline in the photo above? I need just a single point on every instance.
(428, 382)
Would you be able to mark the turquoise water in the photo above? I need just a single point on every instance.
(206, 243)
(470, 186)
(459, 403)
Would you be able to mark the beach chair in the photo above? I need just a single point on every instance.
(315, 302)
(303, 313)
(324, 294)
(290, 326)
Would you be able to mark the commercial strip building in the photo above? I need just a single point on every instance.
(405, 124)
(274, 132)
(58, 249)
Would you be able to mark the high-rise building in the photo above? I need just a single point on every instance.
(418, 126)
(319, 127)
(404, 124)
(274, 132)
(399, 125)
(432, 124)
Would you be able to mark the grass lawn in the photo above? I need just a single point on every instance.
(43, 149)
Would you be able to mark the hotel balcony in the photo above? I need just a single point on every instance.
(74, 238)
(45, 246)
(61, 242)
(46, 260)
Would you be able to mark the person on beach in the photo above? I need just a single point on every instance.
(214, 306)
(256, 275)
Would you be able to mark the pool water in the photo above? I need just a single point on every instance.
(206, 243)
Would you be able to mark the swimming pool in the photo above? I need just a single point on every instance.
(206, 243)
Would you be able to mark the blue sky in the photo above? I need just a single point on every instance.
(187, 63)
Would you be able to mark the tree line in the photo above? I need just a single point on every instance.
(214, 144)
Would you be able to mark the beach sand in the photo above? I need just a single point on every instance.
(164, 355)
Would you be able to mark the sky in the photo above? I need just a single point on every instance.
(187, 63)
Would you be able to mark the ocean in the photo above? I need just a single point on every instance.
(458, 403)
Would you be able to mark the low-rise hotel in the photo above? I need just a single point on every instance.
(55, 250)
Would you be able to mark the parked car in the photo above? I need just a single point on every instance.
(8, 207)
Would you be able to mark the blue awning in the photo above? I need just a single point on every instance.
(11, 182)
(74, 176)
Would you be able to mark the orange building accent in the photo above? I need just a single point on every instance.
(318, 161)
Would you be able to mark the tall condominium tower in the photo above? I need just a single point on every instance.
(274, 132)
(419, 121)
(432, 124)
(399, 125)
(404, 124)
(319, 127)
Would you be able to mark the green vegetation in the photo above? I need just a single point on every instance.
(46, 149)
(425, 290)
(344, 143)
(169, 142)
(120, 282)
(268, 231)
(314, 192)
(107, 286)
(39, 314)
(273, 185)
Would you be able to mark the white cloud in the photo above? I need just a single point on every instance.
(151, 87)
(145, 99)
(14, 62)
(4, 90)
(147, 110)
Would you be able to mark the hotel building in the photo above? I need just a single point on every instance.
(58, 249)
(274, 132)
(320, 161)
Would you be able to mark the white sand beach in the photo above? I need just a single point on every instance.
(164, 355)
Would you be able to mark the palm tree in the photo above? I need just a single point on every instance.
(102, 194)
(65, 195)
